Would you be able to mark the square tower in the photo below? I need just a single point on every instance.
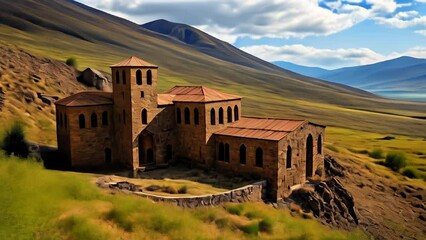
(135, 101)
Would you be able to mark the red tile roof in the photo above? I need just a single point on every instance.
(165, 99)
(200, 94)
(261, 128)
(134, 62)
(86, 99)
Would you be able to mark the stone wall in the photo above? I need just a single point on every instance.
(297, 140)
(269, 168)
(250, 193)
(87, 145)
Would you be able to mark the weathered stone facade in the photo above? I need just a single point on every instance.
(144, 128)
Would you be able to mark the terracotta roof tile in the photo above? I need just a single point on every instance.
(133, 62)
(165, 99)
(200, 94)
(261, 128)
(86, 99)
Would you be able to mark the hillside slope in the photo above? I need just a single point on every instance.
(60, 29)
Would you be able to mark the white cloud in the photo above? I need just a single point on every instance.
(421, 32)
(229, 19)
(326, 58)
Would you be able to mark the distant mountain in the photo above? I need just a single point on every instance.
(304, 70)
(207, 44)
(402, 78)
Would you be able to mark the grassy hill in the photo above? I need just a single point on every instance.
(73, 208)
(60, 29)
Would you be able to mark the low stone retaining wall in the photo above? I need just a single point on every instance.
(250, 193)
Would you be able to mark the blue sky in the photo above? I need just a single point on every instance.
(323, 33)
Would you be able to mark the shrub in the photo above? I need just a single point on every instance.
(253, 214)
(235, 209)
(411, 173)
(222, 222)
(120, 219)
(251, 228)
(14, 141)
(153, 188)
(396, 160)
(183, 189)
(266, 225)
(170, 190)
(71, 62)
(376, 153)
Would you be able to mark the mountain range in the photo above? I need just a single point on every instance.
(60, 29)
(401, 78)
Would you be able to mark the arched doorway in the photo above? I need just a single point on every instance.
(309, 156)
(146, 148)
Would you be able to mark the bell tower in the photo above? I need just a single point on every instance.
(135, 105)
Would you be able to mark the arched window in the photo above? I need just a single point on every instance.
(196, 116)
(65, 120)
(139, 77)
(319, 145)
(226, 152)
(82, 121)
(220, 115)
(212, 117)
(187, 116)
(178, 116)
(123, 77)
(60, 120)
(144, 116)
(259, 157)
(221, 152)
(124, 117)
(169, 152)
(94, 120)
(288, 158)
(149, 77)
(229, 112)
(117, 77)
(105, 118)
(108, 155)
(243, 154)
(236, 113)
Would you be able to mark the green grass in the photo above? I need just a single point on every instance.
(352, 143)
(376, 153)
(41, 204)
(396, 160)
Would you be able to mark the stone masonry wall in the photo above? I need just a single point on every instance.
(87, 145)
(209, 152)
(270, 154)
(251, 193)
(288, 177)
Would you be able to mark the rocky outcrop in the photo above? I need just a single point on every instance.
(329, 201)
(332, 167)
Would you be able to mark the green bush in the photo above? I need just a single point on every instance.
(71, 62)
(395, 160)
(222, 222)
(183, 189)
(376, 153)
(235, 209)
(253, 214)
(14, 141)
(251, 228)
(120, 218)
(266, 225)
(411, 173)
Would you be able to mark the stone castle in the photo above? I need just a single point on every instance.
(136, 126)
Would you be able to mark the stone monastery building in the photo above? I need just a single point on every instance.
(135, 126)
